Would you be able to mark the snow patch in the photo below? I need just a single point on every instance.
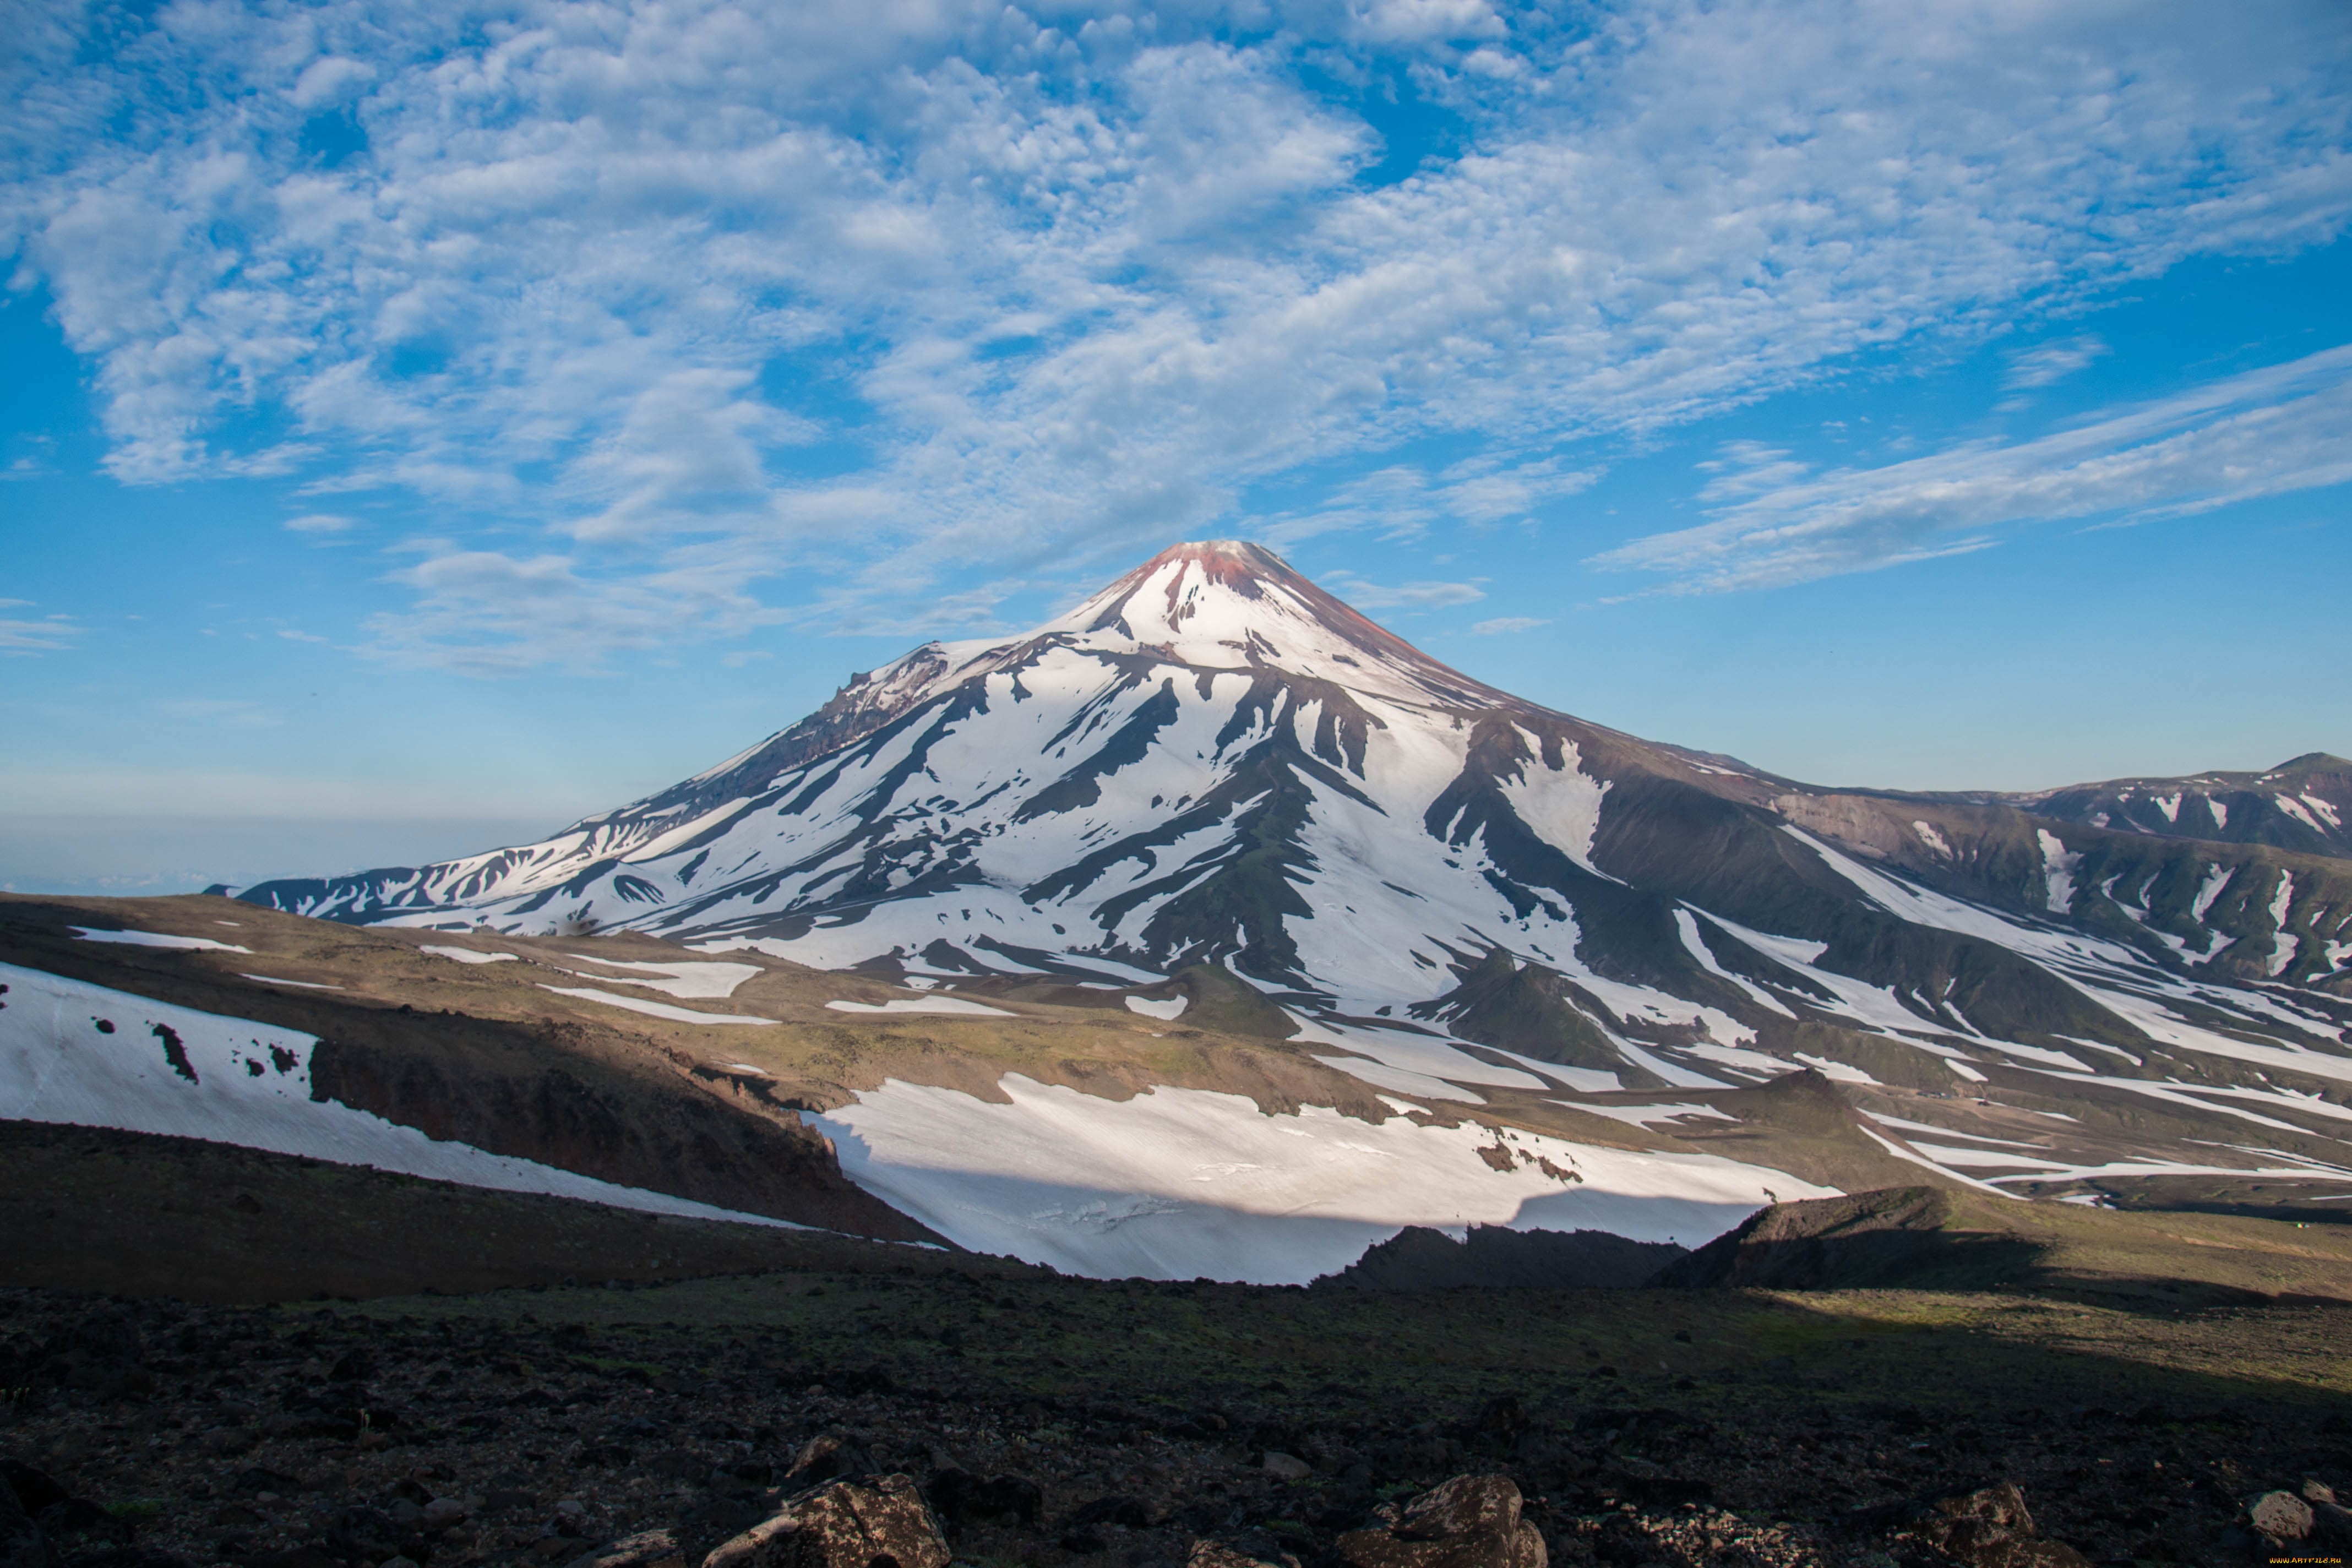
(682, 980)
(945, 1006)
(1173, 1007)
(2058, 866)
(1563, 806)
(468, 956)
(654, 1009)
(158, 939)
(1179, 1183)
(2216, 878)
(177, 1072)
(1644, 1115)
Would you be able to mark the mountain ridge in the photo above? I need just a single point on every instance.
(1213, 767)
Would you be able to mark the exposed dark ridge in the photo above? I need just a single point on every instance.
(1082, 785)
(1420, 1258)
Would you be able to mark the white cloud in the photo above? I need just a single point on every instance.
(235, 712)
(1502, 626)
(742, 305)
(2266, 432)
(300, 637)
(486, 612)
(27, 638)
(319, 522)
(1366, 596)
(2052, 362)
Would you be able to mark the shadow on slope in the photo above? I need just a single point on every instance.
(143, 1215)
(1420, 1258)
(583, 1097)
(1931, 1238)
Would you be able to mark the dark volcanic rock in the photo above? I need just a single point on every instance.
(962, 1498)
(843, 1525)
(646, 1548)
(1991, 1528)
(1420, 1258)
(1216, 1554)
(1881, 1237)
(33, 1490)
(22, 1544)
(1471, 1521)
(824, 1459)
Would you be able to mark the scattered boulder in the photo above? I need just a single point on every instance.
(1284, 1467)
(1991, 1528)
(843, 1524)
(1470, 1522)
(1125, 1512)
(647, 1549)
(2280, 1517)
(826, 1458)
(1216, 1554)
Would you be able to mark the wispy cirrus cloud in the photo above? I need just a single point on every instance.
(1366, 596)
(747, 313)
(24, 637)
(2051, 362)
(2265, 432)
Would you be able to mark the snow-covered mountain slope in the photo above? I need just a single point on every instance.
(1185, 1184)
(2303, 804)
(1212, 762)
(94, 1056)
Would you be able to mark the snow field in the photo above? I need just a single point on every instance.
(1183, 1184)
(158, 939)
(947, 1006)
(174, 1070)
(686, 980)
(652, 1009)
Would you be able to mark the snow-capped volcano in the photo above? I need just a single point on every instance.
(1179, 771)
(1214, 761)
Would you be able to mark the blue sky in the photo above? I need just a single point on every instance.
(424, 424)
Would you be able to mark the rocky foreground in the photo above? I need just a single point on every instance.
(157, 1435)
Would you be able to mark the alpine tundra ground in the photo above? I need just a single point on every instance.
(1058, 1421)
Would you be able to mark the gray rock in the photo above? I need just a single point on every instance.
(1471, 1521)
(1286, 1466)
(443, 1512)
(1991, 1528)
(2280, 1516)
(846, 1524)
(647, 1549)
(1217, 1555)
(827, 1458)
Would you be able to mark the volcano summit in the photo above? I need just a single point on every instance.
(1212, 930)
(1211, 761)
